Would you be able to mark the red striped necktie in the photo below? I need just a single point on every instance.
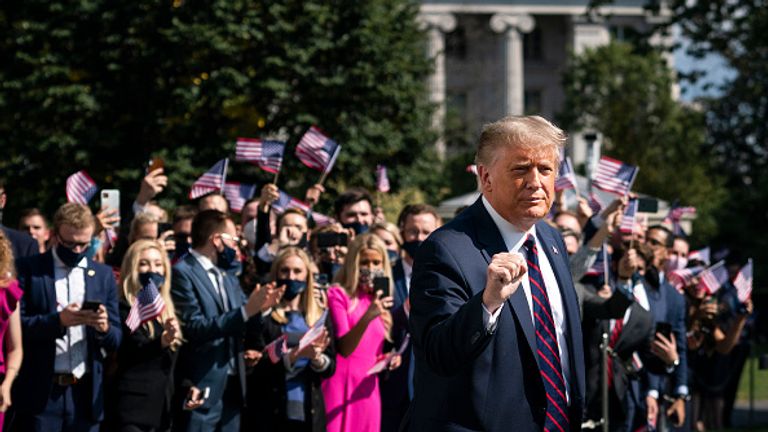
(546, 345)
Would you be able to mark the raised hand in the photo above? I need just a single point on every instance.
(504, 274)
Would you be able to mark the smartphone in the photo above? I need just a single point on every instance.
(91, 305)
(381, 283)
(665, 329)
(204, 394)
(163, 227)
(647, 205)
(111, 198)
(330, 239)
(155, 163)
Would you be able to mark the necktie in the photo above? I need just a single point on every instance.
(614, 338)
(221, 291)
(547, 349)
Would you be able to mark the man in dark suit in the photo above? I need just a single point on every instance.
(23, 245)
(214, 314)
(70, 323)
(494, 315)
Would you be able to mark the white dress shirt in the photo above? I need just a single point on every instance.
(217, 280)
(407, 272)
(72, 348)
(514, 239)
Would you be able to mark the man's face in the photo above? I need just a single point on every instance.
(567, 221)
(358, 212)
(657, 240)
(76, 239)
(214, 202)
(571, 244)
(251, 211)
(293, 220)
(36, 227)
(520, 184)
(418, 227)
(147, 231)
(226, 237)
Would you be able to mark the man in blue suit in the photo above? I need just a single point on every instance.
(494, 314)
(23, 245)
(70, 323)
(214, 313)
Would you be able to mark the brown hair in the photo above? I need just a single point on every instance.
(206, 223)
(7, 272)
(523, 131)
(79, 216)
(414, 210)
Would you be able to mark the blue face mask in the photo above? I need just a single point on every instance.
(358, 227)
(411, 247)
(68, 256)
(147, 277)
(292, 287)
(393, 257)
(95, 245)
(227, 258)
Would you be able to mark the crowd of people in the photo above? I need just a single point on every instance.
(229, 350)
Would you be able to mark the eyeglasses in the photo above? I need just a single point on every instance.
(73, 245)
(226, 236)
(653, 242)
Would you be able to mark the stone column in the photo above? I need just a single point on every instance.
(437, 24)
(513, 27)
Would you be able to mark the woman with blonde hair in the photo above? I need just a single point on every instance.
(362, 321)
(286, 395)
(10, 325)
(147, 356)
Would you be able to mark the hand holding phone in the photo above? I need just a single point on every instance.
(381, 283)
(196, 398)
(91, 306)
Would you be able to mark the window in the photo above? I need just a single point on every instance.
(532, 102)
(532, 45)
(456, 43)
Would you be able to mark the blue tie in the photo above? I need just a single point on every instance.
(546, 345)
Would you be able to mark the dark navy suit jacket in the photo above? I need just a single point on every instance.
(41, 327)
(668, 305)
(466, 378)
(23, 244)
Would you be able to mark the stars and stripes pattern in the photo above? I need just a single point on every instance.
(80, 188)
(566, 176)
(628, 218)
(382, 180)
(276, 348)
(267, 154)
(285, 202)
(547, 349)
(595, 202)
(713, 278)
(614, 176)
(743, 282)
(681, 278)
(321, 219)
(237, 194)
(700, 255)
(600, 266)
(211, 181)
(148, 305)
(317, 151)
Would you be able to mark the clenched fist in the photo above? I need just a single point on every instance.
(504, 274)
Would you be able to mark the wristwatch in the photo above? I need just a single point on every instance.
(676, 363)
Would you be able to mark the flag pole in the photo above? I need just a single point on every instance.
(224, 176)
(277, 175)
(605, 264)
(329, 167)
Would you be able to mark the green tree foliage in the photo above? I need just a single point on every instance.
(627, 96)
(102, 86)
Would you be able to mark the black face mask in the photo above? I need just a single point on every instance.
(329, 268)
(358, 227)
(302, 241)
(652, 277)
(68, 256)
(182, 245)
(292, 287)
(147, 277)
(226, 259)
(410, 247)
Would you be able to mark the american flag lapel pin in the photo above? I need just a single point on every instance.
(91, 272)
(554, 249)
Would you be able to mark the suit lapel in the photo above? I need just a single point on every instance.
(491, 244)
(204, 282)
(49, 284)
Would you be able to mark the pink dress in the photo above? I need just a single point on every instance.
(352, 401)
(9, 298)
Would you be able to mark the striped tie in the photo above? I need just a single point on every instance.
(546, 345)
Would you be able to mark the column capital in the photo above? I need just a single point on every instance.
(502, 22)
(445, 22)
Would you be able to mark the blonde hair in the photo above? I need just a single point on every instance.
(7, 268)
(79, 216)
(390, 228)
(348, 275)
(521, 131)
(130, 285)
(141, 219)
(310, 308)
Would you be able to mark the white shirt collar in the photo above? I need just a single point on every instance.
(59, 263)
(513, 237)
(202, 259)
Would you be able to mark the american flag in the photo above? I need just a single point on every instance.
(237, 194)
(743, 282)
(267, 154)
(317, 151)
(677, 213)
(321, 219)
(472, 169)
(149, 305)
(600, 267)
(211, 181)
(713, 278)
(285, 201)
(628, 219)
(595, 202)
(276, 348)
(80, 188)
(566, 177)
(382, 181)
(700, 255)
(683, 277)
(614, 176)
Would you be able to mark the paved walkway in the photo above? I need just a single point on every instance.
(759, 415)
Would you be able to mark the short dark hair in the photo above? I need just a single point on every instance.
(352, 196)
(184, 212)
(32, 212)
(292, 210)
(206, 223)
(414, 210)
(670, 236)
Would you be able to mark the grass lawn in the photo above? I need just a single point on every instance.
(761, 381)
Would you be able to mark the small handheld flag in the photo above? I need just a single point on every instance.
(237, 194)
(743, 282)
(80, 188)
(147, 306)
(713, 278)
(382, 180)
(211, 181)
(614, 176)
(566, 177)
(317, 151)
(267, 154)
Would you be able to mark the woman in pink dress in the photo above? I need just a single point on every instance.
(362, 321)
(10, 326)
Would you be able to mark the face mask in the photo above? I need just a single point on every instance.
(302, 241)
(675, 262)
(652, 277)
(147, 277)
(182, 245)
(393, 257)
(68, 257)
(358, 227)
(95, 245)
(226, 259)
(292, 287)
(249, 232)
(365, 280)
(411, 247)
(329, 268)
